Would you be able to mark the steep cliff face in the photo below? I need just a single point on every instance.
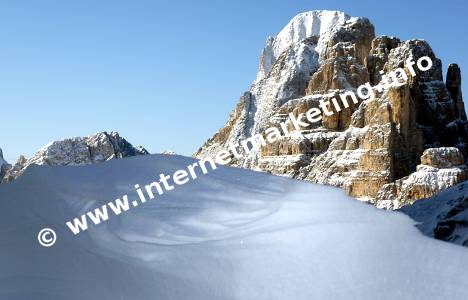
(287, 64)
(4, 166)
(77, 151)
(367, 146)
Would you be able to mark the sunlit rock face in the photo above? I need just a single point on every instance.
(440, 169)
(370, 145)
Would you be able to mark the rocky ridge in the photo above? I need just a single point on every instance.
(373, 149)
(77, 151)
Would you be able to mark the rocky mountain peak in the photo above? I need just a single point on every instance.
(367, 147)
(92, 149)
(287, 64)
(317, 26)
(2, 160)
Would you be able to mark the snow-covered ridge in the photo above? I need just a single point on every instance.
(318, 23)
(77, 151)
(307, 24)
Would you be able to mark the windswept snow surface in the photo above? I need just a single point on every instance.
(231, 234)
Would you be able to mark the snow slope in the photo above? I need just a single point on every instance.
(231, 234)
(444, 216)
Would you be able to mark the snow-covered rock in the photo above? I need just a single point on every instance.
(444, 216)
(287, 64)
(318, 24)
(320, 54)
(440, 169)
(230, 234)
(77, 151)
(4, 166)
(443, 157)
(169, 152)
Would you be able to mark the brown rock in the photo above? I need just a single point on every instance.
(371, 149)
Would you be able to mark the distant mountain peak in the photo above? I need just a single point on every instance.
(92, 149)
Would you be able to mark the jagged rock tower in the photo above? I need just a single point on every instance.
(373, 149)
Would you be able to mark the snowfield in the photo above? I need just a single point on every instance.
(230, 234)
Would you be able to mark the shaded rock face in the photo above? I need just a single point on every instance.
(367, 146)
(4, 166)
(77, 151)
(443, 216)
(378, 56)
(453, 83)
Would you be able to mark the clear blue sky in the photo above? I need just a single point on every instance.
(163, 74)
